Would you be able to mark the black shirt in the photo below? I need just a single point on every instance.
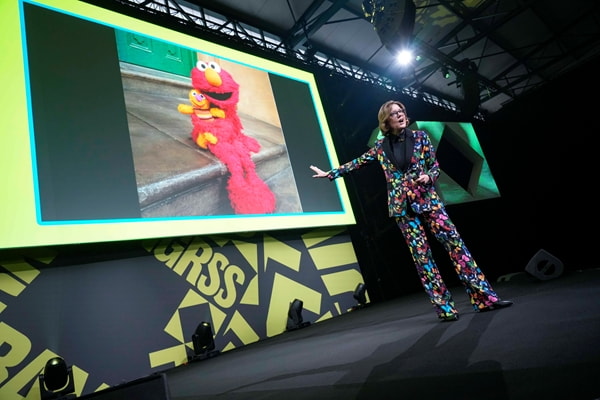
(402, 149)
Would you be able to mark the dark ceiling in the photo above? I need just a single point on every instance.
(495, 50)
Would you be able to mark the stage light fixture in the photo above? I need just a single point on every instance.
(310, 53)
(203, 342)
(405, 57)
(446, 73)
(393, 20)
(56, 382)
(470, 87)
(360, 295)
(295, 320)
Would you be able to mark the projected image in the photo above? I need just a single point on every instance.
(209, 142)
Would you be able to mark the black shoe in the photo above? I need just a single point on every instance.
(502, 304)
(496, 305)
(448, 317)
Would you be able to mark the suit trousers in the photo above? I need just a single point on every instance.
(479, 290)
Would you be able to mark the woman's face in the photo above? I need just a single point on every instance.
(397, 119)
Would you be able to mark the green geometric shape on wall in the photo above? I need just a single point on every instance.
(465, 174)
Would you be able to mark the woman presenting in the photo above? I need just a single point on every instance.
(411, 168)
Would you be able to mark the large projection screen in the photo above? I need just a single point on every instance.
(99, 134)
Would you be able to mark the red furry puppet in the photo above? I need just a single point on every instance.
(218, 128)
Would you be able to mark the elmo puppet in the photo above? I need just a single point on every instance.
(217, 127)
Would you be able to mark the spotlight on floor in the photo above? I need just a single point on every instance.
(360, 295)
(295, 320)
(203, 342)
(56, 382)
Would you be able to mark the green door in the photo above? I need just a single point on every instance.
(152, 53)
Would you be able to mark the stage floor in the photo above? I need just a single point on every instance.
(546, 346)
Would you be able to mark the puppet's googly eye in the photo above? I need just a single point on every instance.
(215, 66)
(201, 65)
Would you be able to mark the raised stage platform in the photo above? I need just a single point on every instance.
(546, 346)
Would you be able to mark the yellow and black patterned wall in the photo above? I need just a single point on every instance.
(121, 319)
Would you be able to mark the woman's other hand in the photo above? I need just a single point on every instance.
(423, 179)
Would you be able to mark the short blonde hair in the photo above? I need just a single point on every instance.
(384, 114)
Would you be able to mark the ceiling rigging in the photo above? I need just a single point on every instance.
(472, 56)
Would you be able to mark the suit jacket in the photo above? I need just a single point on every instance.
(402, 190)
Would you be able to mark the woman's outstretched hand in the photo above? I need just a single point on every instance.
(319, 173)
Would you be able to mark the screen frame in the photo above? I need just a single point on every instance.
(22, 226)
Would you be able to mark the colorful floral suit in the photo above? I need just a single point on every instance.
(414, 205)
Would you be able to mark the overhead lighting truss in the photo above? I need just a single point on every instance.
(228, 31)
